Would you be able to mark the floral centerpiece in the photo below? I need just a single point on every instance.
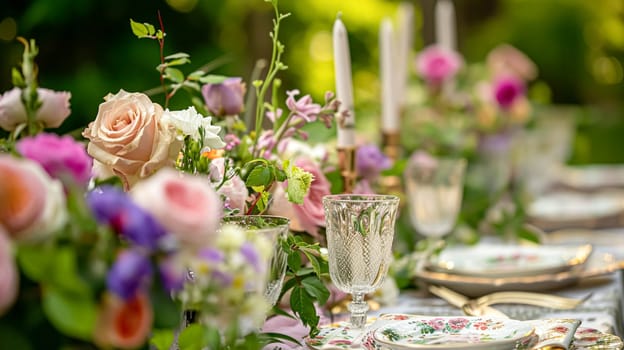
(97, 240)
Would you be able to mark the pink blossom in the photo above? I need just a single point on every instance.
(32, 204)
(53, 111)
(235, 192)
(8, 273)
(231, 141)
(423, 159)
(69, 162)
(507, 60)
(310, 215)
(186, 205)
(507, 90)
(437, 64)
(304, 108)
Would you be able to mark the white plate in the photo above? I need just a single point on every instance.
(574, 206)
(589, 177)
(457, 332)
(475, 286)
(498, 260)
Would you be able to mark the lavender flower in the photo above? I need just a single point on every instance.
(370, 161)
(507, 90)
(226, 98)
(111, 206)
(130, 273)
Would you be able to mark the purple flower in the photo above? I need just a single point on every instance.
(248, 251)
(61, 156)
(130, 273)
(370, 161)
(231, 141)
(303, 108)
(111, 206)
(507, 90)
(273, 116)
(226, 98)
(211, 255)
(172, 274)
(437, 65)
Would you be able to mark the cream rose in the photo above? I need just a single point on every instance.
(33, 204)
(129, 137)
(53, 111)
(187, 206)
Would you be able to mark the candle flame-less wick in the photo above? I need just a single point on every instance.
(339, 15)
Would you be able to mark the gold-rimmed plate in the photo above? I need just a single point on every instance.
(500, 260)
(602, 264)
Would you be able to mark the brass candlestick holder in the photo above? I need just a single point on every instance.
(346, 163)
(391, 146)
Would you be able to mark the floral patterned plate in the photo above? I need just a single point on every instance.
(438, 333)
(499, 260)
(592, 339)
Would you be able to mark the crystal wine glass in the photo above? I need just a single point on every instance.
(434, 189)
(360, 230)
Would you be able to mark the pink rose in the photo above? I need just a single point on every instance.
(310, 215)
(33, 204)
(186, 205)
(53, 111)
(69, 162)
(129, 137)
(437, 64)
(8, 273)
(507, 60)
(124, 324)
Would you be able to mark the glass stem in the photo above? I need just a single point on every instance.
(358, 308)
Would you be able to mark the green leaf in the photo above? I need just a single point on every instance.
(17, 79)
(139, 29)
(174, 75)
(167, 314)
(71, 313)
(175, 56)
(303, 305)
(213, 79)
(315, 288)
(194, 337)
(35, 261)
(294, 261)
(196, 75)
(178, 62)
(314, 261)
(261, 175)
(162, 338)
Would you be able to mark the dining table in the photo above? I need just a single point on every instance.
(601, 292)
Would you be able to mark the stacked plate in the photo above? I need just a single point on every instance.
(485, 268)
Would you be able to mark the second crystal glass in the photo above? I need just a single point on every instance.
(360, 231)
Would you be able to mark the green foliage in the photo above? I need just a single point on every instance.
(299, 182)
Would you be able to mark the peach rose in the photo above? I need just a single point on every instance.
(53, 111)
(129, 137)
(8, 273)
(33, 204)
(186, 205)
(310, 215)
(124, 324)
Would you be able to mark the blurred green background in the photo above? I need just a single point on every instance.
(86, 47)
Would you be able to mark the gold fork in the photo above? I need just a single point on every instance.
(530, 298)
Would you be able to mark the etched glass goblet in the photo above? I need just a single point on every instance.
(360, 231)
(434, 188)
